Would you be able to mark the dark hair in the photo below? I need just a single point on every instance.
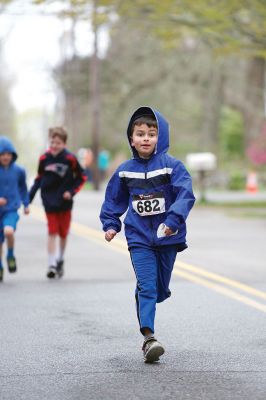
(58, 131)
(144, 119)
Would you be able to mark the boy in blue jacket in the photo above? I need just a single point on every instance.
(156, 191)
(13, 192)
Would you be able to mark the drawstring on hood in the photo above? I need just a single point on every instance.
(6, 146)
(162, 145)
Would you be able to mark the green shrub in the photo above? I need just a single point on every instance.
(231, 135)
(237, 181)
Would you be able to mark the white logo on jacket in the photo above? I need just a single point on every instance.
(57, 168)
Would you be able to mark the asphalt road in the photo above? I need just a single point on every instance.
(77, 338)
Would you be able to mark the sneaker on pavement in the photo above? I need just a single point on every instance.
(152, 350)
(51, 273)
(1, 274)
(11, 264)
(60, 268)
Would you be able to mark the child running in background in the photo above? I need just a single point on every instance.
(13, 192)
(155, 189)
(60, 177)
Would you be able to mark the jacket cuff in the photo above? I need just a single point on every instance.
(111, 226)
(173, 223)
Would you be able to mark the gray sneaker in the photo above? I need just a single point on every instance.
(60, 268)
(51, 272)
(152, 350)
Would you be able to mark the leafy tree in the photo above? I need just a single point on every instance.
(72, 77)
(4, 3)
(228, 27)
(235, 27)
(7, 114)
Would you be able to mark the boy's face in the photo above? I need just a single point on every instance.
(56, 145)
(144, 139)
(5, 159)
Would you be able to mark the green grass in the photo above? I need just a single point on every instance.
(248, 213)
(234, 204)
(240, 209)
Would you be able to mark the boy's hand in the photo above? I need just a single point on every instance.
(67, 196)
(3, 201)
(110, 234)
(168, 231)
(26, 210)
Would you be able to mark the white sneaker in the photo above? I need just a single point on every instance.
(152, 350)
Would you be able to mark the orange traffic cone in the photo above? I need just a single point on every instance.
(252, 182)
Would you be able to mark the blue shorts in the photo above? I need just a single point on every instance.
(8, 218)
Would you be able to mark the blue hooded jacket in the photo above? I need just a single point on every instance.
(140, 185)
(12, 180)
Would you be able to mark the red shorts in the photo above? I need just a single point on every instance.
(59, 223)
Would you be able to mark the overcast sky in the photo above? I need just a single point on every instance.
(31, 48)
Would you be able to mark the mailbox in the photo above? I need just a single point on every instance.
(201, 162)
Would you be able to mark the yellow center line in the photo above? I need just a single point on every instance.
(186, 271)
(221, 279)
(220, 289)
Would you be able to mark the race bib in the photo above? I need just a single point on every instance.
(149, 204)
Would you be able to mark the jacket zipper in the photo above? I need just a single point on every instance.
(150, 217)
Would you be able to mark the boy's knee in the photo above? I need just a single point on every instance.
(8, 231)
(163, 295)
(149, 288)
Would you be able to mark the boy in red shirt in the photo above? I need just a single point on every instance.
(60, 177)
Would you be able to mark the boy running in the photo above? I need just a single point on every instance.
(13, 192)
(155, 189)
(60, 177)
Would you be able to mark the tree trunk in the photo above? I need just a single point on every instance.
(254, 111)
(212, 106)
(95, 101)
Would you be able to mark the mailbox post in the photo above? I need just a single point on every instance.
(201, 163)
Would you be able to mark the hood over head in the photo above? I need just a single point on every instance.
(6, 146)
(163, 129)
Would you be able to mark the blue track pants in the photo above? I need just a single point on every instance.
(153, 268)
